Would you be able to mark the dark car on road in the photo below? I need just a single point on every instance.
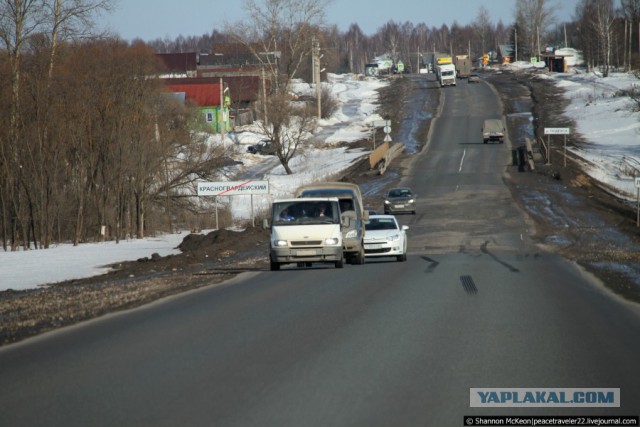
(265, 146)
(399, 200)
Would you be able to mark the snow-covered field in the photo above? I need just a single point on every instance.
(612, 156)
(604, 118)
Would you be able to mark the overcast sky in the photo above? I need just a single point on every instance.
(152, 19)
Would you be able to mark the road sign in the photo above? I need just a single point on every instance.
(233, 188)
(387, 129)
(556, 131)
(637, 182)
(387, 138)
(380, 123)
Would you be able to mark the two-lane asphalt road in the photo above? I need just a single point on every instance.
(383, 344)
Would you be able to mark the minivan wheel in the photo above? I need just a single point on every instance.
(274, 266)
(340, 263)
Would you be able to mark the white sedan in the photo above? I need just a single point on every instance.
(384, 237)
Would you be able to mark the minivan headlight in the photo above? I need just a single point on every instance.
(332, 241)
(280, 243)
(352, 234)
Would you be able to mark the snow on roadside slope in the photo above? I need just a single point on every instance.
(322, 159)
(603, 117)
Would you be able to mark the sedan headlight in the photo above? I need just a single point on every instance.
(410, 201)
(352, 234)
(280, 243)
(332, 241)
(386, 202)
(393, 238)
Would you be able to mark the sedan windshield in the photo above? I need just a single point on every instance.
(381, 224)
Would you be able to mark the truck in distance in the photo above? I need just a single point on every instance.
(463, 66)
(304, 231)
(445, 72)
(493, 130)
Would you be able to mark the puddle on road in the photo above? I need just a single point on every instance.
(376, 186)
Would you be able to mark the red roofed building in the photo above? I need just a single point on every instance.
(244, 89)
(201, 95)
(205, 97)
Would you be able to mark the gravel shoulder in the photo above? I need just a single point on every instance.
(572, 215)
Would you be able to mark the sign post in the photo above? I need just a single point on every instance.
(637, 202)
(233, 188)
(386, 125)
(557, 131)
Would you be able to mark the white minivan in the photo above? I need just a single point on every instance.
(305, 231)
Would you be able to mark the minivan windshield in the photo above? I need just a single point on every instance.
(306, 212)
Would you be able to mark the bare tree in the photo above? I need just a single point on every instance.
(356, 57)
(32, 29)
(631, 11)
(71, 19)
(287, 126)
(280, 34)
(483, 27)
(390, 33)
(19, 20)
(532, 19)
(596, 19)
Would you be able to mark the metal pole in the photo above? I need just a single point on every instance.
(222, 110)
(215, 200)
(565, 151)
(316, 75)
(548, 149)
(264, 95)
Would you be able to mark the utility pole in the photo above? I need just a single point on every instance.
(222, 121)
(264, 95)
(515, 30)
(316, 74)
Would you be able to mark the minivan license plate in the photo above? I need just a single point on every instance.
(306, 252)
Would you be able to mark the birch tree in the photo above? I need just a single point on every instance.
(280, 33)
(482, 27)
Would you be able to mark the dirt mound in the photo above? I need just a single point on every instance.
(222, 239)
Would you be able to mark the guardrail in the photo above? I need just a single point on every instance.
(389, 155)
(378, 155)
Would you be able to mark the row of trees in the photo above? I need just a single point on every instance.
(606, 31)
(88, 142)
